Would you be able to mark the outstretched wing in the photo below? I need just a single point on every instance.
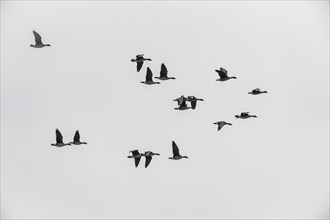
(37, 37)
(183, 104)
(76, 137)
(149, 75)
(135, 152)
(139, 66)
(148, 160)
(59, 137)
(137, 161)
(163, 70)
(193, 104)
(175, 149)
(222, 74)
(223, 70)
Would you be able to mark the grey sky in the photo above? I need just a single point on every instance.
(274, 166)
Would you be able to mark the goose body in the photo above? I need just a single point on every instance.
(223, 74)
(245, 115)
(257, 91)
(176, 153)
(163, 73)
(149, 80)
(139, 61)
(137, 157)
(221, 124)
(59, 140)
(183, 106)
(76, 139)
(148, 155)
(193, 100)
(38, 41)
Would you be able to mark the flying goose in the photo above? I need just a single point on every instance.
(59, 140)
(76, 139)
(182, 106)
(257, 91)
(221, 124)
(223, 75)
(148, 155)
(149, 80)
(245, 115)
(193, 100)
(38, 41)
(136, 155)
(180, 99)
(163, 73)
(176, 153)
(139, 61)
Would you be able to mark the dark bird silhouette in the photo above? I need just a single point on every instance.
(180, 99)
(183, 106)
(245, 115)
(139, 61)
(137, 157)
(59, 139)
(38, 41)
(76, 139)
(176, 153)
(148, 155)
(149, 80)
(257, 91)
(223, 75)
(221, 124)
(163, 73)
(193, 100)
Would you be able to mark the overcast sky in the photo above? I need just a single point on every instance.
(274, 166)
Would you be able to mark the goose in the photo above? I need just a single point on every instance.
(257, 91)
(148, 155)
(176, 153)
(139, 61)
(193, 100)
(221, 124)
(76, 139)
(59, 139)
(163, 73)
(38, 41)
(180, 99)
(183, 106)
(223, 75)
(149, 80)
(136, 155)
(245, 115)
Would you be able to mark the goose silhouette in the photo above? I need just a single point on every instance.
(221, 124)
(176, 153)
(38, 41)
(223, 75)
(137, 157)
(193, 100)
(245, 115)
(139, 61)
(76, 139)
(59, 140)
(149, 80)
(163, 73)
(148, 155)
(257, 91)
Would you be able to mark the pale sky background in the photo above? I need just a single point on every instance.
(275, 166)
